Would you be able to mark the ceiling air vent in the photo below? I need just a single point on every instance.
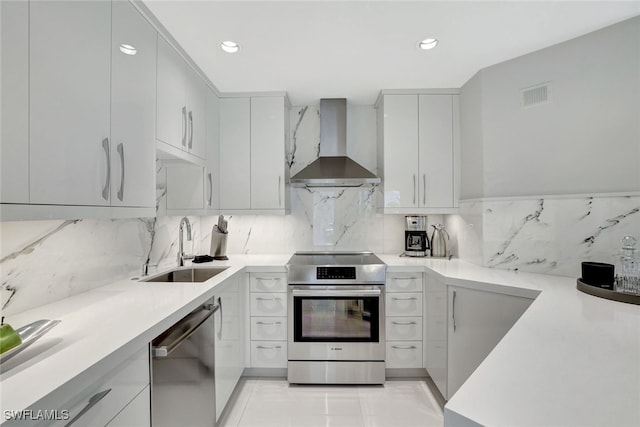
(536, 95)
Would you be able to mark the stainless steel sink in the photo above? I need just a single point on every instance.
(193, 275)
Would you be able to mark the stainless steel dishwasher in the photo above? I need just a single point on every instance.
(183, 389)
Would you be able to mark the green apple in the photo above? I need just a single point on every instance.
(9, 338)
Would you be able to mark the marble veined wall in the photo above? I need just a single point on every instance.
(44, 261)
(550, 235)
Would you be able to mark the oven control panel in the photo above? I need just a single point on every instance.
(331, 273)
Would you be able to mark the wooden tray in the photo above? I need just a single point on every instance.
(607, 294)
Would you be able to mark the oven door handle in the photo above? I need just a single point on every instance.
(336, 293)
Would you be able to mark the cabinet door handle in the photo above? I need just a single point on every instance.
(406, 278)
(424, 189)
(414, 188)
(404, 299)
(269, 347)
(279, 191)
(121, 191)
(403, 347)
(184, 126)
(221, 318)
(105, 189)
(404, 323)
(267, 279)
(190, 130)
(268, 323)
(267, 299)
(453, 310)
(210, 189)
(90, 404)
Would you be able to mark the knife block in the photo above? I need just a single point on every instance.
(218, 245)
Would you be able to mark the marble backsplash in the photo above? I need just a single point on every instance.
(551, 235)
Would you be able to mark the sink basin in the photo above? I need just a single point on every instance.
(193, 275)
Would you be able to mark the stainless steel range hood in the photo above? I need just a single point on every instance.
(333, 168)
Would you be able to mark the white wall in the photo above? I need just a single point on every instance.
(471, 137)
(587, 140)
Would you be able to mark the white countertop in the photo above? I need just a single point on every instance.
(571, 360)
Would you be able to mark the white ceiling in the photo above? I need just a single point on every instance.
(352, 49)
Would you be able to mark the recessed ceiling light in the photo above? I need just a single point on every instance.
(229, 46)
(429, 43)
(128, 49)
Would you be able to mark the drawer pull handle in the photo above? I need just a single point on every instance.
(92, 402)
(404, 323)
(269, 347)
(269, 323)
(405, 278)
(268, 299)
(403, 347)
(404, 299)
(267, 279)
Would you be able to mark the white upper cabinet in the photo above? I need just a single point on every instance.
(212, 170)
(171, 123)
(70, 62)
(253, 141)
(235, 152)
(196, 114)
(436, 148)
(14, 110)
(400, 145)
(78, 113)
(181, 123)
(419, 146)
(268, 135)
(133, 93)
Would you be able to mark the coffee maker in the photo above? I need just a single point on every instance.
(416, 241)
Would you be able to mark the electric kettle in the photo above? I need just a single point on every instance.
(438, 242)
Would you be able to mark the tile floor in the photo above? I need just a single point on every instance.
(274, 403)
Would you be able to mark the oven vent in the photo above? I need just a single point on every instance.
(536, 95)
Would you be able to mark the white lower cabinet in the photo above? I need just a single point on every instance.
(268, 307)
(100, 402)
(269, 328)
(435, 354)
(404, 320)
(229, 339)
(404, 354)
(403, 304)
(477, 321)
(136, 413)
(268, 354)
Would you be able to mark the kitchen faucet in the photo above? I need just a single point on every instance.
(181, 255)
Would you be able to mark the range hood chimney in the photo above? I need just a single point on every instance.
(333, 168)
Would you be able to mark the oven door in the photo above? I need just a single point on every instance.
(336, 323)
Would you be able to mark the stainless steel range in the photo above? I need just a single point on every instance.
(336, 318)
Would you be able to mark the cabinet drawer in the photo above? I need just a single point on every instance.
(403, 304)
(105, 398)
(404, 354)
(403, 328)
(268, 304)
(137, 412)
(404, 282)
(268, 354)
(269, 328)
(268, 282)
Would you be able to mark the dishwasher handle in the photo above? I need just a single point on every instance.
(164, 345)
